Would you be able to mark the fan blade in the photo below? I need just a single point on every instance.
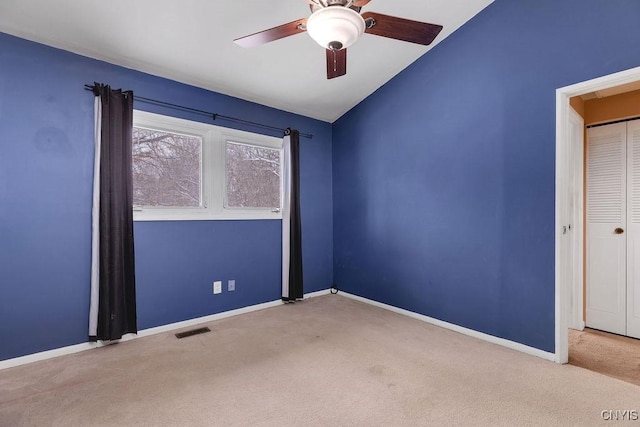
(272, 34)
(336, 63)
(402, 29)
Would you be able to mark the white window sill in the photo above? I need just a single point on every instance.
(204, 216)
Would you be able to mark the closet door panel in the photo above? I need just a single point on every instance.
(606, 245)
(633, 229)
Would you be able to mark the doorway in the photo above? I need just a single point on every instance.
(613, 225)
(569, 188)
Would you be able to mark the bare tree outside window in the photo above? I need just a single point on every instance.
(166, 169)
(253, 176)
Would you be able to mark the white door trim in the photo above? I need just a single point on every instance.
(563, 290)
(576, 320)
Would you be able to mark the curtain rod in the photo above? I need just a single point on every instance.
(214, 116)
(609, 123)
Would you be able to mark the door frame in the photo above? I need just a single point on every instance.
(564, 315)
(576, 232)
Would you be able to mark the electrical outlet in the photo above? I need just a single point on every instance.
(217, 287)
(231, 285)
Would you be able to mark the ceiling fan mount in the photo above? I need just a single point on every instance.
(337, 24)
(321, 4)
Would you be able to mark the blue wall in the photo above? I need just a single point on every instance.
(46, 155)
(443, 184)
(444, 177)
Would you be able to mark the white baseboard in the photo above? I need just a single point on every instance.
(62, 351)
(10, 363)
(317, 293)
(470, 332)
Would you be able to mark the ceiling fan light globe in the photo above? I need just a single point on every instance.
(335, 25)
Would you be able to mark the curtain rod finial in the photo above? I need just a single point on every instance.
(93, 88)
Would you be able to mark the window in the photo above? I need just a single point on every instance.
(167, 168)
(186, 170)
(253, 176)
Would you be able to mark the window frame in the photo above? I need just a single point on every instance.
(178, 128)
(213, 171)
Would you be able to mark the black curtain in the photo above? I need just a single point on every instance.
(295, 235)
(116, 290)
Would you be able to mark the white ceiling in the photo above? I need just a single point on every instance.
(191, 41)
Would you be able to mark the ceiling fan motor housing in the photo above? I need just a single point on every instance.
(335, 27)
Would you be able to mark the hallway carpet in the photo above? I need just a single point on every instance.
(608, 354)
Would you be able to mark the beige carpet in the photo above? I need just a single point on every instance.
(609, 354)
(327, 361)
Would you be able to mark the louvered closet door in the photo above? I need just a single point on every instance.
(633, 229)
(606, 212)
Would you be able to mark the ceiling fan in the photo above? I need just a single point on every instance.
(337, 24)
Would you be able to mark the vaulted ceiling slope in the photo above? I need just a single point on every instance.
(191, 41)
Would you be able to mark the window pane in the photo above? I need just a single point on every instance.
(166, 169)
(253, 176)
